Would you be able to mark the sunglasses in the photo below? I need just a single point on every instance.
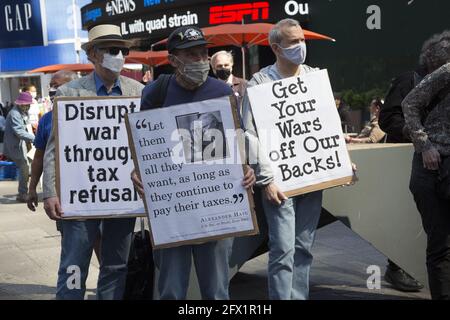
(115, 50)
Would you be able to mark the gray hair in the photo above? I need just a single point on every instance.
(436, 51)
(218, 53)
(275, 35)
(67, 75)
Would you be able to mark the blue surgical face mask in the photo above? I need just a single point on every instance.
(295, 54)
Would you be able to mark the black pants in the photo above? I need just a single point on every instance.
(435, 214)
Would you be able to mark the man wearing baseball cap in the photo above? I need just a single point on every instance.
(190, 83)
(106, 49)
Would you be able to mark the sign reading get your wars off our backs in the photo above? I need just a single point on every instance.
(93, 160)
(300, 133)
(188, 157)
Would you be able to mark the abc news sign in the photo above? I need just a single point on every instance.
(157, 18)
(22, 23)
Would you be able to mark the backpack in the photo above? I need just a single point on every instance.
(140, 282)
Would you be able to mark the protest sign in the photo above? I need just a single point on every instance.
(300, 133)
(189, 159)
(93, 160)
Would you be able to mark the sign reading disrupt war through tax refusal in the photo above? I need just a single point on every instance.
(300, 133)
(93, 160)
(189, 159)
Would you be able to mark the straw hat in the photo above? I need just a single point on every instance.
(105, 33)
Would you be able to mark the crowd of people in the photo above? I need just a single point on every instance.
(416, 108)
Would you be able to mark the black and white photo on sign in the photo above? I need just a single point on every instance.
(203, 136)
(188, 199)
(94, 158)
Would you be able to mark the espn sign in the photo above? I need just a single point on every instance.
(236, 12)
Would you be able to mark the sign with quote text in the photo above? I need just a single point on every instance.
(93, 160)
(300, 133)
(190, 162)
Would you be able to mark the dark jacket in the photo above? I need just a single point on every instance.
(391, 118)
(344, 114)
(239, 86)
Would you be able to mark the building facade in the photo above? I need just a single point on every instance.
(375, 39)
(36, 33)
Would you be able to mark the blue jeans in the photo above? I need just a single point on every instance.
(292, 227)
(76, 251)
(211, 264)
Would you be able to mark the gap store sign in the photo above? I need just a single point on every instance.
(22, 23)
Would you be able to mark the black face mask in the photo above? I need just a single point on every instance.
(51, 94)
(223, 74)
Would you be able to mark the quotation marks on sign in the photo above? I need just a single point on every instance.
(144, 124)
(238, 197)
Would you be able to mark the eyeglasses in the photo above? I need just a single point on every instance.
(115, 50)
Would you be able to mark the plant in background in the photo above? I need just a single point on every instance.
(361, 100)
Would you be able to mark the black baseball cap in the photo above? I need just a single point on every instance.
(186, 37)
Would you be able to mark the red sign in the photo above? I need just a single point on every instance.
(236, 12)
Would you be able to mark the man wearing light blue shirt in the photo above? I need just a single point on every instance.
(106, 50)
(42, 135)
(292, 221)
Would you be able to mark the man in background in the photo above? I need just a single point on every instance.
(18, 141)
(42, 134)
(371, 133)
(344, 113)
(392, 121)
(222, 65)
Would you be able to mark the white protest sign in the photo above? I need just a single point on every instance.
(300, 133)
(192, 181)
(93, 160)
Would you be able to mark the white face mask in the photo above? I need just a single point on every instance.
(296, 53)
(33, 94)
(113, 63)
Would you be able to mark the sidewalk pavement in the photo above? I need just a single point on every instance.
(30, 248)
(29, 251)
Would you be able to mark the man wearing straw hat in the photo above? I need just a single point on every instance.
(16, 140)
(106, 50)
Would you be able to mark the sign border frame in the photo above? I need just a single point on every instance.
(317, 186)
(253, 232)
(55, 126)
